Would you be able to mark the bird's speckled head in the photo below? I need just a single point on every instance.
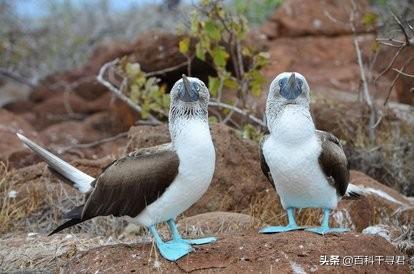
(189, 99)
(288, 88)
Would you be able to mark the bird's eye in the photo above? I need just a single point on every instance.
(179, 85)
(198, 88)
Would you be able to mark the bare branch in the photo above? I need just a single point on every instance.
(333, 19)
(401, 45)
(118, 92)
(17, 77)
(162, 71)
(390, 64)
(390, 40)
(359, 58)
(403, 73)
(93, 144)
(239, 111)
(367, 96)
(391, 45)
(407, 39)
(396, 78)
(72, 85)
(390, 88)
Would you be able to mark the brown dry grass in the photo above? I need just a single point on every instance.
(267, 209)
(40, 201)
(13, 208)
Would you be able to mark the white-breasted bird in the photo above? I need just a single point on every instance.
(307, 167)
(151, 185)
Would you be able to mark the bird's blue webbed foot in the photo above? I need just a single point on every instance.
(277, 229)
(171, 251)
(324, 228)
(178, 239)
(174, 251)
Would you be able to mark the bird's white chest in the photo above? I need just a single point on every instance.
(197, 160)
(291, 152)
(196, 153)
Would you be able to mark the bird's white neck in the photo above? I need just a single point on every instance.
(185, 131)
(292, 125)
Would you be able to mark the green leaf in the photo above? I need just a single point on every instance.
(369, 19)
(133, 70)
(212, 30)
(134, 94)
(257, 79)
(231, 83)
(200, 52)
(262, 59)
(213, 85)
(195, 22)
(184, 45)
(212, 120)
(220, 56)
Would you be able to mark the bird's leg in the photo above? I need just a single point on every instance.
(291, 225)
(324, 228)
(170, 251)
(177, 236)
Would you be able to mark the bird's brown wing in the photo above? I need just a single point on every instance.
(333, 162)
(263, 163)
(131, 183)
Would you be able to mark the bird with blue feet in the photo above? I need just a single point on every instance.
(307, 167)
(151, 185)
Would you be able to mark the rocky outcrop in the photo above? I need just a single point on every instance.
(314, 18)
(315, 38)
(319, 60)
(380, 204)
(10, 146)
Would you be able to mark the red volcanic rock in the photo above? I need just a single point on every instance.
(380, 204)
(10, 124)
(315, 17)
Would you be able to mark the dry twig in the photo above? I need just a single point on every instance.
(367, 96)
(95, 143)
(118, 93)
(401, 45)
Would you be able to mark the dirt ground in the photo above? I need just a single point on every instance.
(302, 252)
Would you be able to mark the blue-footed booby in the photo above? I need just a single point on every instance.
(307, 167)
(151, 185)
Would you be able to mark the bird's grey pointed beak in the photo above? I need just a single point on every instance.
(187, 93)
(292, 81)
(291, 89)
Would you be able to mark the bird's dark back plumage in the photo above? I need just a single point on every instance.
(128, 185)
(333, 162)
